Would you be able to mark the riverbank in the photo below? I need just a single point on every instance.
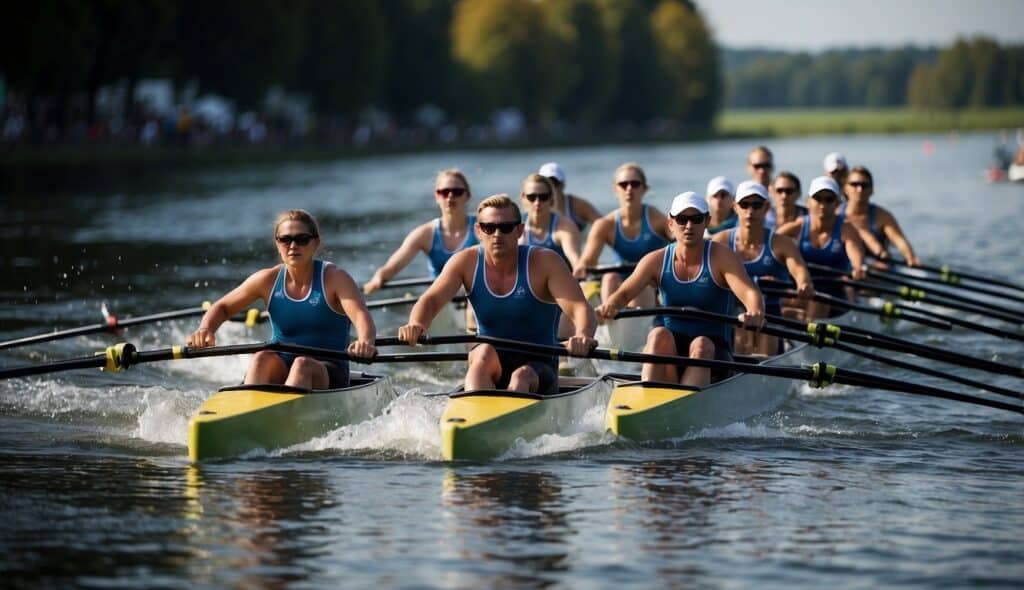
(790, 122)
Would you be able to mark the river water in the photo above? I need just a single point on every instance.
(844, 487)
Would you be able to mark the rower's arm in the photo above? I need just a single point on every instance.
(584, 210)
(566, 292)
(417, 241)
(567, 235)
(600, 234)
(457, 273)
(659, 223)
(854, 250)
(786, 250)
(871, 243)
(892, 231)
(257, 286)
(645, 274)
(354, 306)
(730, 268)
(791, 229)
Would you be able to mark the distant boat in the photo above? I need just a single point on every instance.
(1015, 173)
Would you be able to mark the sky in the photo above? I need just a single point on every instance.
(816, 25)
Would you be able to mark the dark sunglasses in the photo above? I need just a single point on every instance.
(859, 184)
(784, 190)
(505, 227)
(762, 165)
(624, 184)
(696, 219)
(455, 192)
(299, 239)
(542, 197)
(825, 199)
(755, 204)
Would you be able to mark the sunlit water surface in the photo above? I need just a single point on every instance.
(844, 487)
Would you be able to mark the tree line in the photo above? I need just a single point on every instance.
(971, 73)
(582, 62)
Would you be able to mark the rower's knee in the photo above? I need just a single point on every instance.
(482, 354)
(702, 348)
(305, 365)
(524, 379)
(660, 341)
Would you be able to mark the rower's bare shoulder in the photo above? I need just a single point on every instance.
(722, 237)
(783, 244)
(604, 226)
(791, 228)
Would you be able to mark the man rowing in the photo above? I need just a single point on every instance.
(311, 303)
(517, 292)
(826, 239)
(721, 196)
(767, 257)
(760, 164)
(785, 192)
(691, 272)
(872, 219)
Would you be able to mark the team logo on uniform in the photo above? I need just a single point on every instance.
(520, 291)
(314, 298)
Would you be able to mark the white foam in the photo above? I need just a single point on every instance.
(165, 417)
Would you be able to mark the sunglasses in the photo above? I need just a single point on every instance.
(624, 184)
(784, 190)
(755, 204)
(762, 165)
(457, 191)
(825, 199)
(505, 227)
(542, 197)
(299, 239)
(859, 184)
(696, 219)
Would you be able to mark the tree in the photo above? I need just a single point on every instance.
(689, 58)
(419, 68)
(642, 88)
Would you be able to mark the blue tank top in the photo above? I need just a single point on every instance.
(701, 292)
(309, 321)
(872, 224)
(549, 239)
(729, 223)
(572, 216)
(832, 253)
(633, 250)
(438, 255)
(765, 265)
(518, 314)
(771, 219)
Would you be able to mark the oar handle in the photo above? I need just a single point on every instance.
(602, 270)
(416, 282)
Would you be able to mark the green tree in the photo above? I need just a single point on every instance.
(589, 74)
(419, 69)
(641, 92)
(689, 58)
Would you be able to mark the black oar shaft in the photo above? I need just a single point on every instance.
(938, 324)
(939, 281)
(415, 282)
(931, 293)
(951, 276)
(958, 321)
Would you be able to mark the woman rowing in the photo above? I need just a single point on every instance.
(438, 238)
(632, 230)
(871, 218)
(693, 272)
(766, 256)
(311, 302)
(572, 207)
(785, 192)
(544, 226)
(721, 196)
(826, 239)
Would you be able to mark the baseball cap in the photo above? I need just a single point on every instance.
(687, 200)
(824, 183)
(835, 161)
(552, 170)
(751, 188)
(720, 183)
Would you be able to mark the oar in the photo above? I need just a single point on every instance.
(602, 270)
(909, 294)
(887, 313)
(825, 334)
(124, 355)
(113, 325)
(818, 375)
(877, 272)
(395, 301)
(903, 280)
(418, 282)
(914, 292)
(950, 276)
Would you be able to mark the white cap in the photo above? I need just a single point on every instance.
(552, 170)
(687, 200)
(824, 183)
(720, 183)
(751, 188)
(835, 161)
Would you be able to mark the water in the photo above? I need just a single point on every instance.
(844, 487)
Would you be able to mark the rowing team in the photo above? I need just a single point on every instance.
(521, 273)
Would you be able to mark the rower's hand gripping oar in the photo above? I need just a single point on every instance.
(817, 375)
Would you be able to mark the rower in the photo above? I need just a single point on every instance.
(311, 302)
(785, 192)
(873, 219)
(766, 256)
(721, 197)
(544, 226)
(632, 230)
(836, 167)
(695, 272)
(517, 292)
(760, 164)
(438, 238)
(574, 208)
(826, 238)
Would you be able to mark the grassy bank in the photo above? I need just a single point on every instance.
(783, 122)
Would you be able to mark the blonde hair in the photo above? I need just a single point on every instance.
(631, 166)
(539, 179)
(299, 215)
(455, 172)
(499, 201)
